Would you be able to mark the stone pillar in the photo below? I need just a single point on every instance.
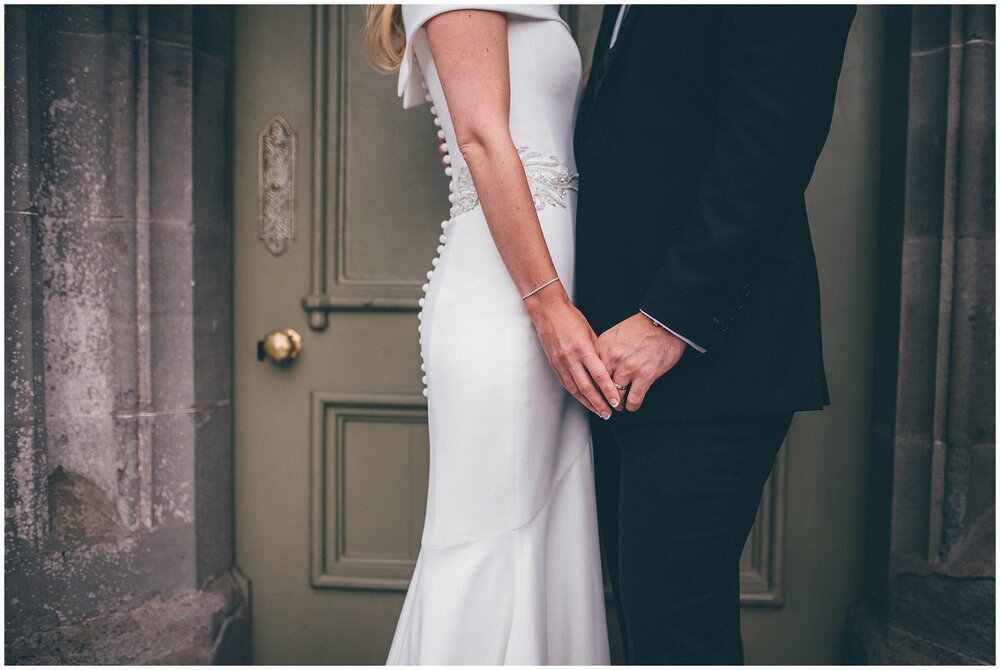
(118, 534)
(930, 573)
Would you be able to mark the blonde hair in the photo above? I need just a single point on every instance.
(385, 39)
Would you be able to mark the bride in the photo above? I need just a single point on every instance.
(509, 567)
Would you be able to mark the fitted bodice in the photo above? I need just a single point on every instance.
(544, 93)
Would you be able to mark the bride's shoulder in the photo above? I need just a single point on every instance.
(415, 16)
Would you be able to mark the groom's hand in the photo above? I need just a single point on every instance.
(638, 352)
(568, 341)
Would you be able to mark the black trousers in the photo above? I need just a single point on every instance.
(676, 502)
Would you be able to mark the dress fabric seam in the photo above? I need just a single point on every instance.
(555, 486)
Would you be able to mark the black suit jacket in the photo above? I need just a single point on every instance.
(695, 140)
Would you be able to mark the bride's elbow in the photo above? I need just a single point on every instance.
(477, 145)
(471, 151)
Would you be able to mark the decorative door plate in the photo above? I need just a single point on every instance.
(276, 185)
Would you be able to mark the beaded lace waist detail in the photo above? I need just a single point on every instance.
(549, 179)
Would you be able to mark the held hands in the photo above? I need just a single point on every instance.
(568, 341)
(638, 352)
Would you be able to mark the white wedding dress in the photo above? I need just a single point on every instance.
(509, 568)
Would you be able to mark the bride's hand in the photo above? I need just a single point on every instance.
(568, 341)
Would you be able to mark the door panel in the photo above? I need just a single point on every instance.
(370, 489)
(331, 450)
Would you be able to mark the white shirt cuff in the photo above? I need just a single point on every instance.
(694, 346)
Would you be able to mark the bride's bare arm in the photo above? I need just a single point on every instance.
(470, 52)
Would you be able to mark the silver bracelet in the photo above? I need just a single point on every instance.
(536, 290)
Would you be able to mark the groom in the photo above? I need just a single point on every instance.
(695, 140)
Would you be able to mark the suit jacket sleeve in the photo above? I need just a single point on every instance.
(778, 69)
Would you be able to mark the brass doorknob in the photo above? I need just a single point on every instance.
(282, 346)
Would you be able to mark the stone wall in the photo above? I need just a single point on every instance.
(931, 563)
(118, 472)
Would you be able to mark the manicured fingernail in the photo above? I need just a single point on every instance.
(605, 415)
(614, 403)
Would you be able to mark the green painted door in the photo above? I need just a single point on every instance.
(331, 449)
(338, 199)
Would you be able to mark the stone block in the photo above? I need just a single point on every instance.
(980, 22)
(96, 447)
(910, 500)
(23, 312)
(931, 27)
(927, 128)
(871, 639)
(210, 143)
(173, 495)
(16, 113)
(88, 19)
(96, 115)
(212, 313)
(170, 151)
(25, 500)
(171, 356)
(86, 159)
(974, 552)
(214, 486)
(972, 396)
(67, 583)
(88, 277)
(955, 613)
(918, 349)
(170, 23)
(213, 31)
(187, 627)
(976, 190)
(982, 490)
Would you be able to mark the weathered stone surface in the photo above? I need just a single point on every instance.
(213, 32)
(81, 512)
(871, 641)
(71, 582)
(86, 165)
(931, 29)
(977, 187)
(170, 23)
(910, 483)
(109, 533)
(212, 274)
(928, 113)
(16, 119)
(190, 627)
(211, 205)
(25, 458)
(21, 310)
(26, 505)
(932, 598)
(171, 318)
(918, 350)
(89, 19)
(974, 554)
(930, 606)
(170, 109)
(214, 492)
